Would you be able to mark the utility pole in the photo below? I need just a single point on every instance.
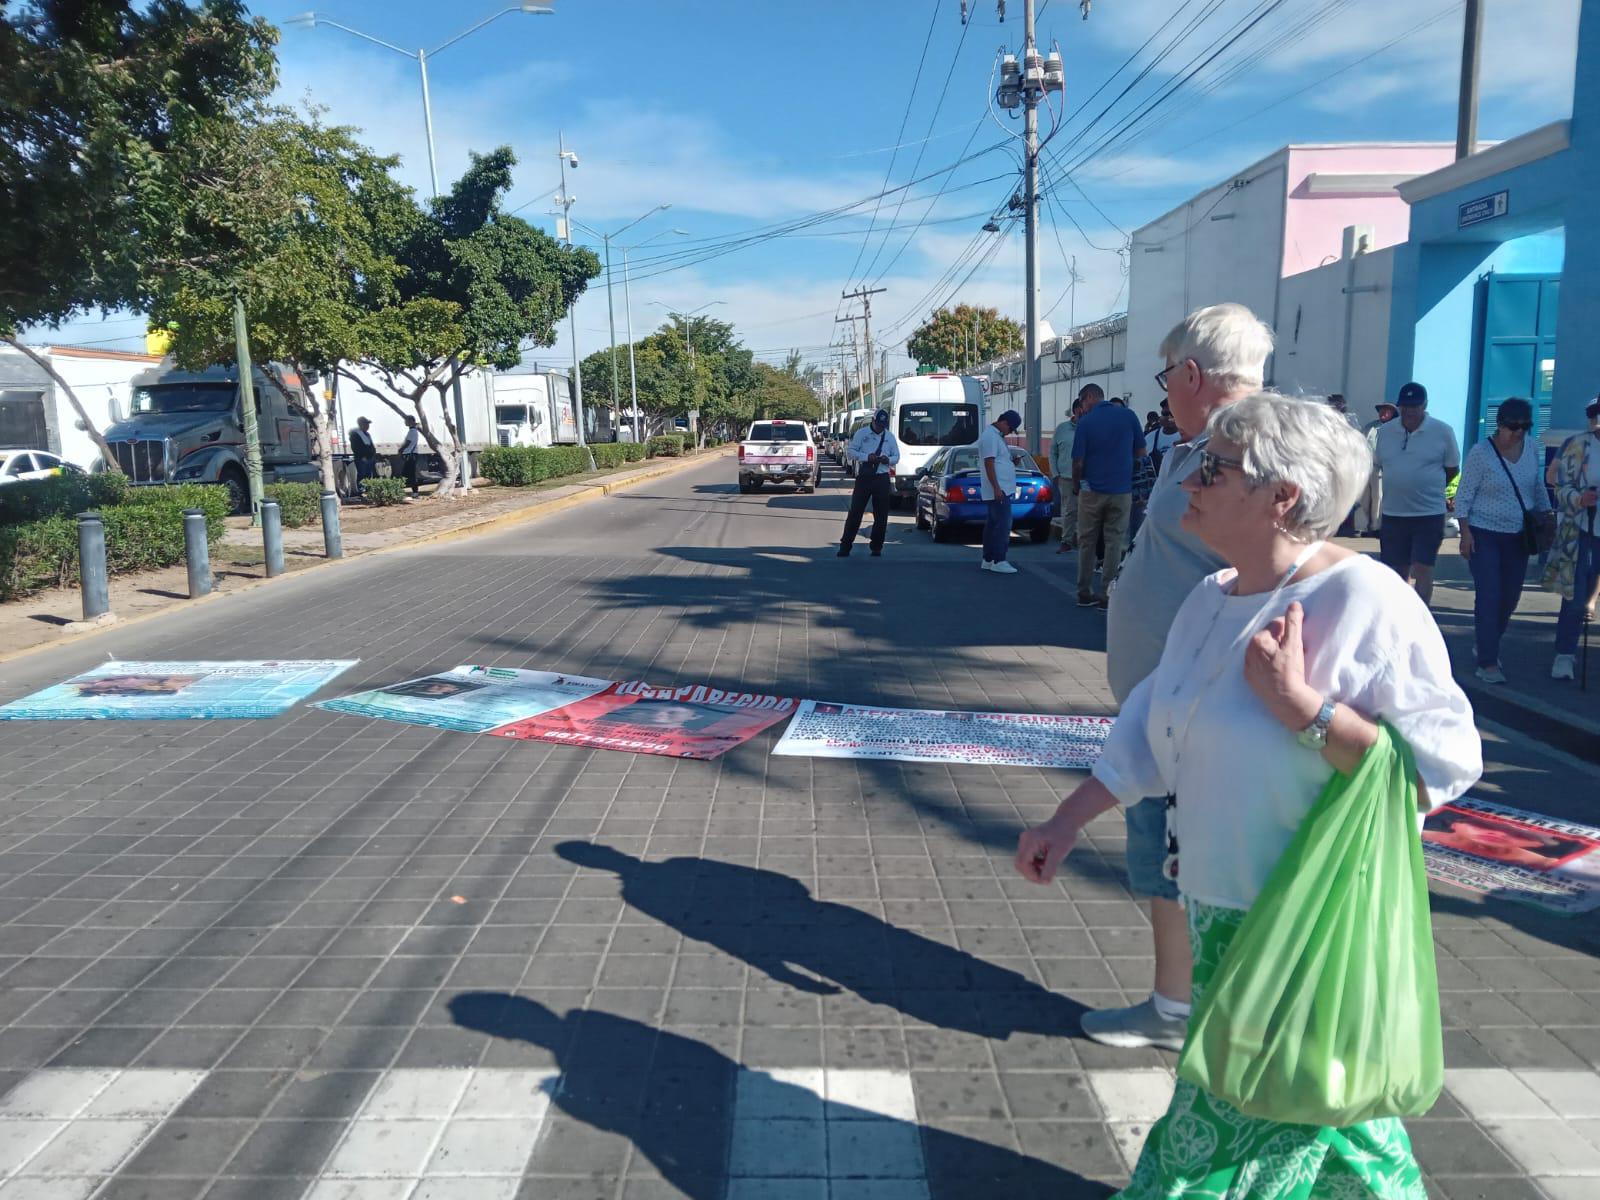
(1467, 112)
(865, 295)
(566, 199)
(1024, 86)
(855, 346)
(1032, 68)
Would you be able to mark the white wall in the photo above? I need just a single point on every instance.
(1104, 362)
(1225, 244)
(1312, 352)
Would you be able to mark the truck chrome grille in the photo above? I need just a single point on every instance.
(505, 437)
(142, 461)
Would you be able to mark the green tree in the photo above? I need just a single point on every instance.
(946, 339)
(476, 287)
(779, 394)
(312, 211)
(100, 101)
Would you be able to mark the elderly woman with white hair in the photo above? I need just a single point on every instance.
(1275, 676)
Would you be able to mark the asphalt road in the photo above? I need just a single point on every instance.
(327, 956)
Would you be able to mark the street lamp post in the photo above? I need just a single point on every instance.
(611, 312)
(312, 19)
(688, 339)
(627, 311)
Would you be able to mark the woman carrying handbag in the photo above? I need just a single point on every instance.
(1301, 713)
(1506, 519)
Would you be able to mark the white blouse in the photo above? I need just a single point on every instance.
(1195, 729)
(1485, 498)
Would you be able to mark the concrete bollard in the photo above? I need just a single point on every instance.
(272, 536)
(197, 552)
(92, 566)
(332, 539)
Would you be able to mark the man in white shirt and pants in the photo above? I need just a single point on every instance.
(409, 449)
(1418, 456)
(999, 480)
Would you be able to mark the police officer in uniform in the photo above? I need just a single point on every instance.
(875, 450)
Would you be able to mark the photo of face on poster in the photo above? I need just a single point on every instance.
(1501, 840)
(133, 685)
(435, 687)
(670, 715)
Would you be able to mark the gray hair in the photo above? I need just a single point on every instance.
(1298, 440)
(1228, 342)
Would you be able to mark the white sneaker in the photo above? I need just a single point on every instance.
(1565, 667)
(1005, 568)
(986, 565)
(1490, 674)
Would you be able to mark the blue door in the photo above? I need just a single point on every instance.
(1516, 347)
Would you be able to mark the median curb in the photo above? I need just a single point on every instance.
(587, 490)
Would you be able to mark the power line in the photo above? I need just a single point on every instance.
(933, 19)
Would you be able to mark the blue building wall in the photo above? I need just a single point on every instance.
(1548, 229)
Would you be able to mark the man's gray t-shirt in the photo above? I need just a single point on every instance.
(1157, 577)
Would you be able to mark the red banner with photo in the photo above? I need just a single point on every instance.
(695, 721)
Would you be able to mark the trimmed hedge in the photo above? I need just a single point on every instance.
(299, 504)
(383, 491)
(617, 454)
(143, 532)
(520, 466)
(666, 445)
(60, 495)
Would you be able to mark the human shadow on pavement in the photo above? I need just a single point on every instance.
(674, 1099)
(772, 922)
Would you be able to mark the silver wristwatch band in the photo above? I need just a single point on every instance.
(1315, 735)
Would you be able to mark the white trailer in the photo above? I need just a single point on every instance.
(470, 402)
(534, 409)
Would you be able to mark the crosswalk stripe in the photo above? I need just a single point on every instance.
(64, 1131)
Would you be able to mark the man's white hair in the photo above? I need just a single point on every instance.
(1228, 342)
(1298, 440)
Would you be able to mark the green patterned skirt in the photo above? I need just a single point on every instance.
(1205, 1149)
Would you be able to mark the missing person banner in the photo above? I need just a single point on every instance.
(1514, 855)
(694, 721)
(193, 691)
(823, 730)
(469, 699)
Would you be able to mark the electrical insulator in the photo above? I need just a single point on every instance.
(1033, 71)
(1055, 74)
(1009, 94)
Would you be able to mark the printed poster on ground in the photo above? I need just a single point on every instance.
(193, 691)
(694, 721)
(469, 699)
(826, 730)
(1514, 855)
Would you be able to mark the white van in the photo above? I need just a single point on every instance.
(927, 413)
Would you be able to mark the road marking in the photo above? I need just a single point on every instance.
(64, 1132)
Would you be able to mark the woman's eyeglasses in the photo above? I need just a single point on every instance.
(1517, 426)
(1211, 463)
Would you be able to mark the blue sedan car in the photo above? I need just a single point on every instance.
(949, 496)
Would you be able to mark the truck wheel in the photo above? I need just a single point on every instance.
(238, 490)
(744, 487)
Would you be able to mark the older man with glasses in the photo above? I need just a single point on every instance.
(1215, 356)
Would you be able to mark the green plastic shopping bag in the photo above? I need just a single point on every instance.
(1325, 1009)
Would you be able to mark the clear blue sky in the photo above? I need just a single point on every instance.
(747, 115)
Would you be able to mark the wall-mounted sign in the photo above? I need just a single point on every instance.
(1484, 208)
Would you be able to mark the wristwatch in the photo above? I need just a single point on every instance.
(1315, 735)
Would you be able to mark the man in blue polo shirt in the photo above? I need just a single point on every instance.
(1108, 440)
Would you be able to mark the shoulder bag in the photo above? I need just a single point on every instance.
(1538, 527)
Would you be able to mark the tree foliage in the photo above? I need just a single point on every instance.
(782, 394)
(475, 287)
(313, 214)
(945, 339)
(100, 104)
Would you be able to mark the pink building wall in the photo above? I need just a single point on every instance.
(1314, 224)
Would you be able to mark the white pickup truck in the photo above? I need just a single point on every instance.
(778, 452)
